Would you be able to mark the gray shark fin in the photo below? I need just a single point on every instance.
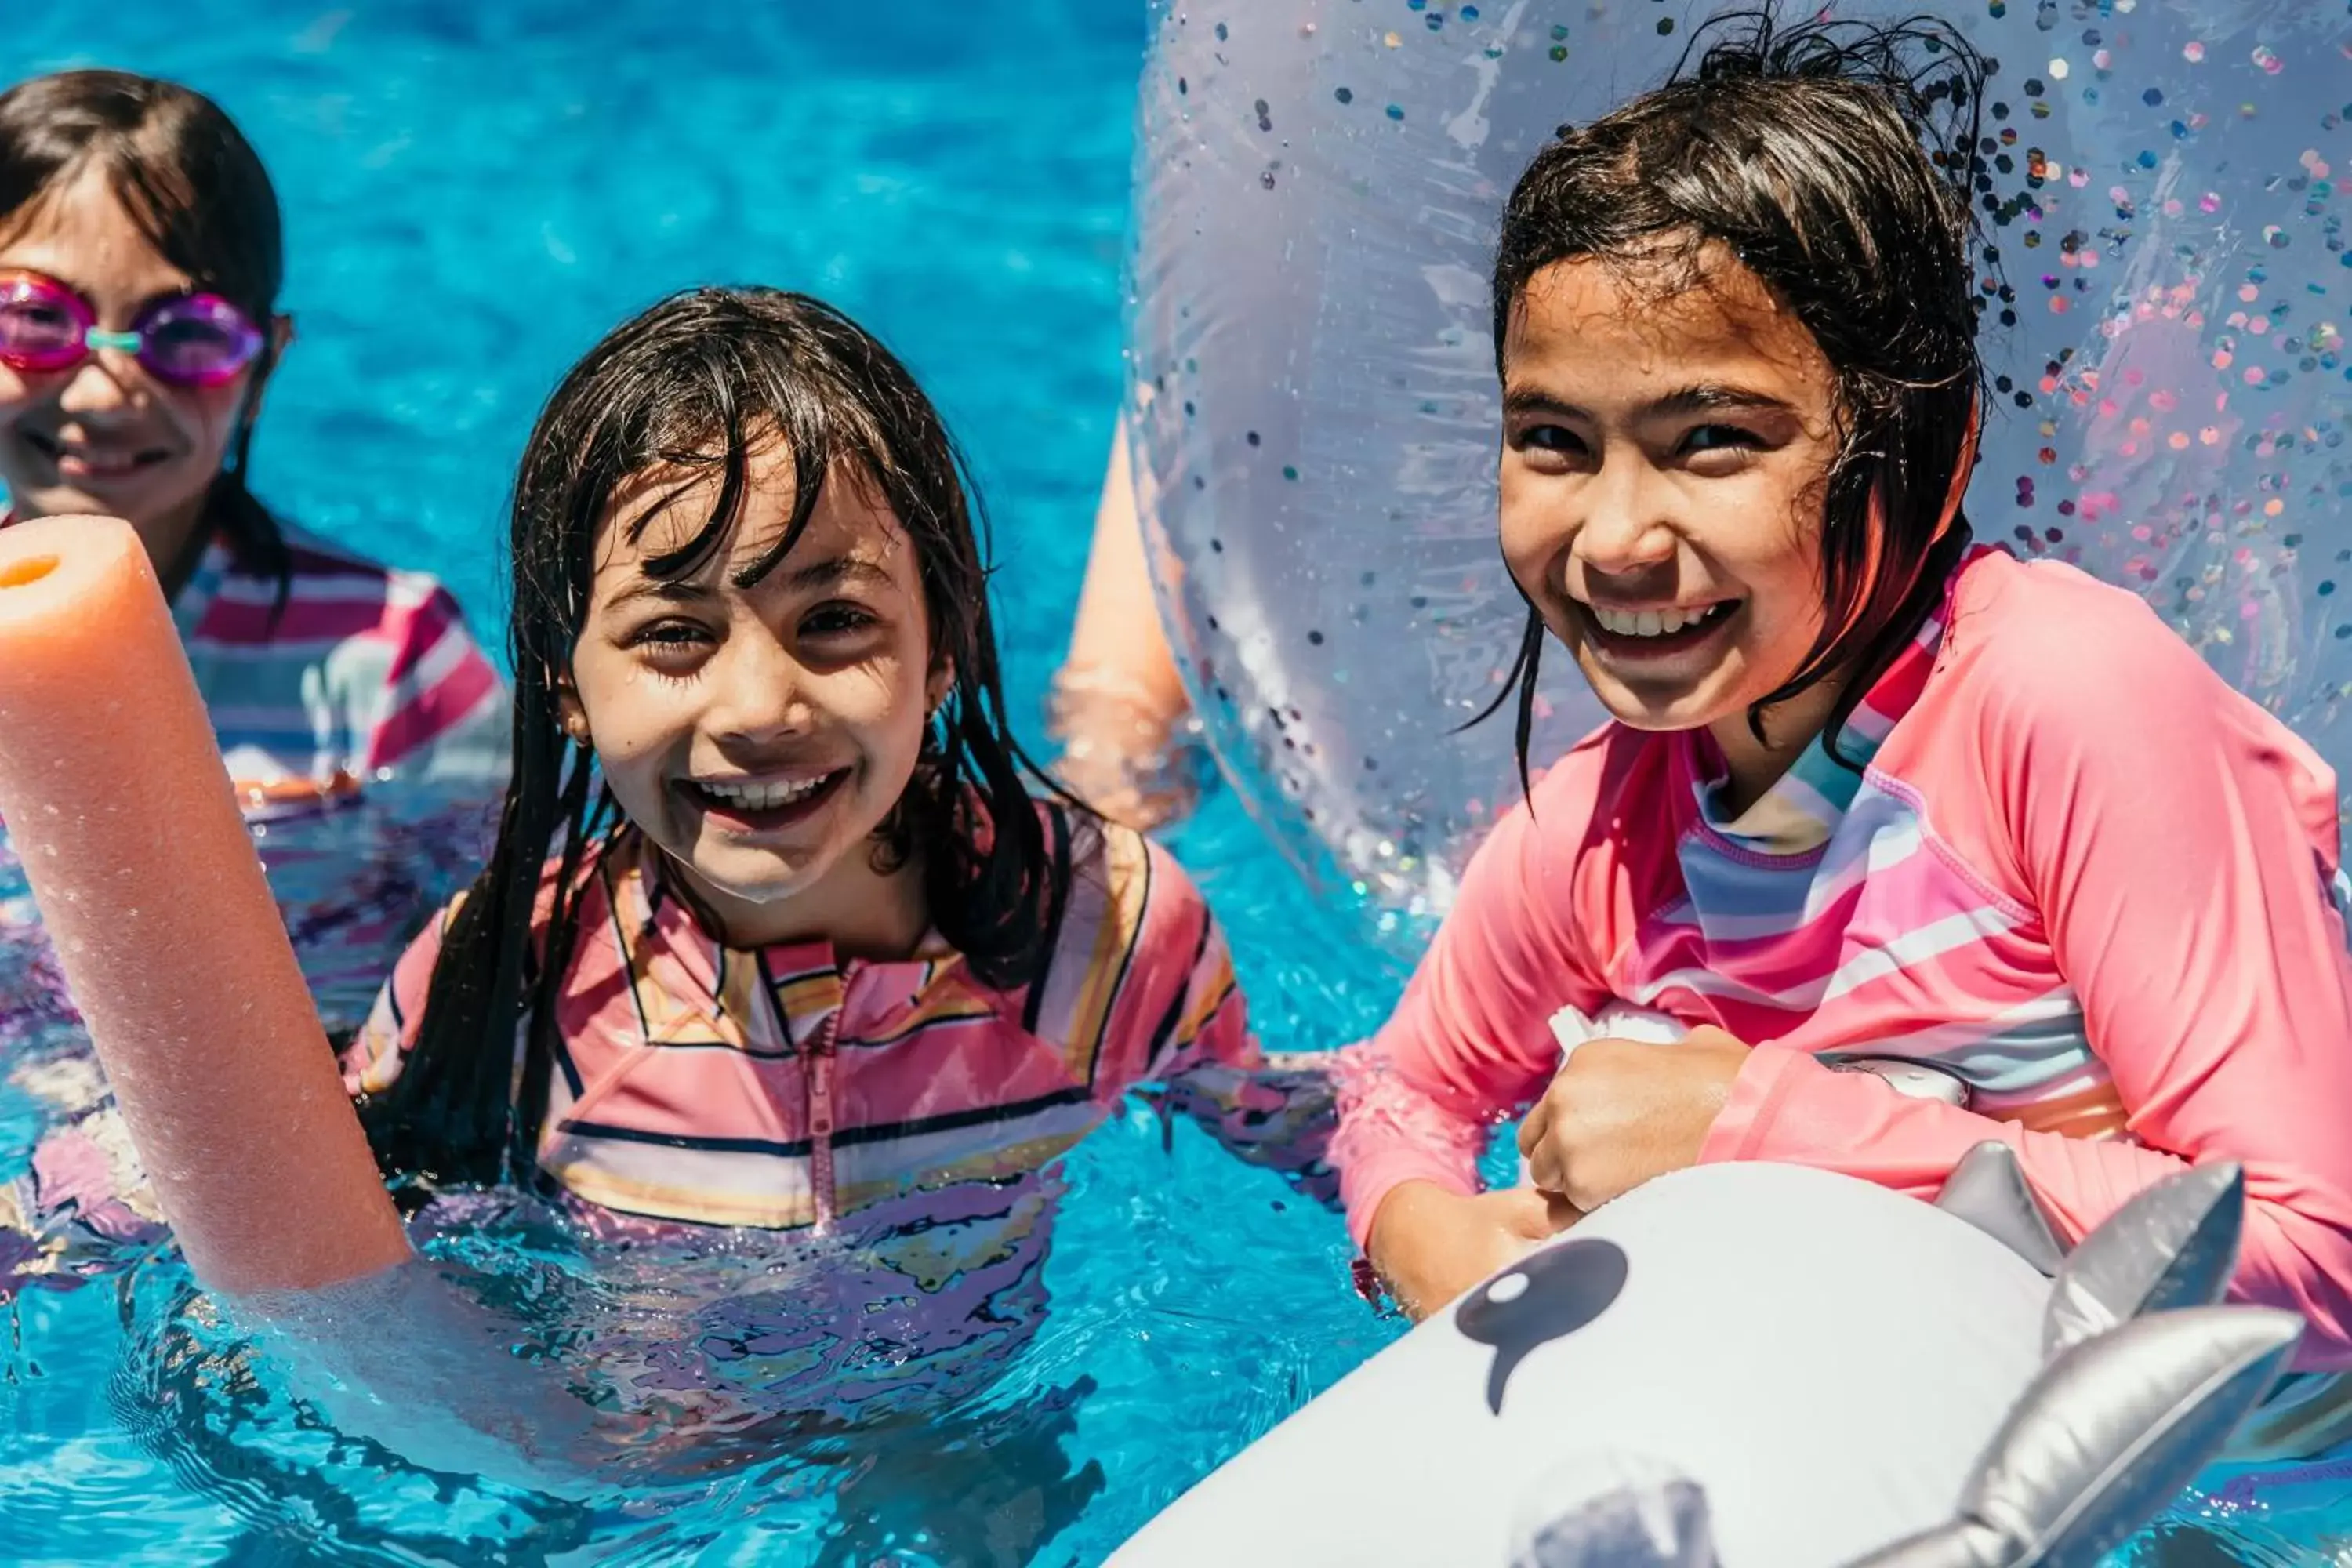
(1987, 1190)
(2104, 1438)
(2174, 1244)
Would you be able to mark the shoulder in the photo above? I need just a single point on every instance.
(1109, 871)
(394, 644)
(2045, 652)
(314, 555)
(375, 1055)
(618, 869)
(2015, 612)
(1127, 912)
(410, 607)
(1600, 771)
(332, 593)
(1558, 883)
(321, 573)
(1108, 852)
(2069, 695)
(325, 564)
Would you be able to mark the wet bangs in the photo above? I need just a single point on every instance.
(716, 406)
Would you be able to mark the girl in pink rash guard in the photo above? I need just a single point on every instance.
(1871, 792)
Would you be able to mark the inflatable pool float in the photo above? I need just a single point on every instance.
(1764, 1366)
(1314, 415)
(1799, 1369)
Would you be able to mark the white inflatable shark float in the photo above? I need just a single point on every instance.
(1763, 1366)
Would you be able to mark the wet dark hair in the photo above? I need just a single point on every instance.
(1836, 161)
(197, 191)
(703, 380)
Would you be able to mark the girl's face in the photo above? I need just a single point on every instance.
(1664, 458)
(105, 436)
(761, 734)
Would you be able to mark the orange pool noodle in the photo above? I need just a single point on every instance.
(113, 791)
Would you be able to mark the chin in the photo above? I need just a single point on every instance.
(1648, 721)
(1665, 707)
(53, 501)
(765, 875)
(1653, 713)
(748, 886)
(1684, 712)
(133, 503)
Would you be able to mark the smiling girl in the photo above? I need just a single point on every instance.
(139, 266)
(1873, 797)
(806, 942)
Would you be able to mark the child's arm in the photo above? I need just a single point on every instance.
(1118, 698)
(1469, 1044)
(1277, 1118)
(1186, 997)
(85, 1208)
(2178, 848)
(374, 1059)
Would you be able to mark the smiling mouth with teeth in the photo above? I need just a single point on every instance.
(1657, 623)
(90, 462)
(762, 796)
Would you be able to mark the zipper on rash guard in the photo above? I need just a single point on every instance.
(821, 1061)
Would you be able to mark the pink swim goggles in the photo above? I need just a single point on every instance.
(187, 339)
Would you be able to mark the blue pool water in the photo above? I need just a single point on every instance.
(474, 194)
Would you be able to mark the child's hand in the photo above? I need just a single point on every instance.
(1623, 1111)
(1430, 1244)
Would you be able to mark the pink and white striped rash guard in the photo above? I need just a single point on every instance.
(2079, 873)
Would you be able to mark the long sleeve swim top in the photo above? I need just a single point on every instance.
(2078, 872)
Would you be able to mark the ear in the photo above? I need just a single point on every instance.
(940, 682)
(2174, 1245)
(569, 710)
(281, 338)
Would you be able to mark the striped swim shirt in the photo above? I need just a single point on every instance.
(2069, 867)
(367, 674)
(779, 1087)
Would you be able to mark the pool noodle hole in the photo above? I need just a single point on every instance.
(25, 573)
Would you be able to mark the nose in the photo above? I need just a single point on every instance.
(1627, 527)
(760, 693)
(101, 385)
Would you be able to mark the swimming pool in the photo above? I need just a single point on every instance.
(474, 194)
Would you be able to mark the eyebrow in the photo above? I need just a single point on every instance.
(1700, 397)
(828, 574)
(840, 568)
(670, 591)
